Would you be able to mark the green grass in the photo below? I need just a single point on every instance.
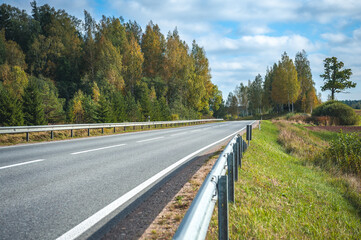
(279, 196)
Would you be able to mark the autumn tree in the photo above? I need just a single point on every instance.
(178, 62)
(109, 67)
(202, 74)
(153, 47)
(336, 80)
(285, 86)
(133, 60)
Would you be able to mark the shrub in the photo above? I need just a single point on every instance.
(345, 153)
(338, 112)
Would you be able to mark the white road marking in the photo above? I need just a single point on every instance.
(96, 217)
(197, 130)
(96, 149)
(177, 134)
(150, 139)
(24, 163)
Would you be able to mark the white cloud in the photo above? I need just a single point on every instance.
(334, 37)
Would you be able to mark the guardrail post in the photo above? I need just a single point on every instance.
(259, 125)
(239, 150)
(27, 137)
(223, 208)
(133, 127)
(51, 135)
(71, 133)
(235, 161)
(102, 130)
(88, 132)
(249, 133)
(230, 166)
(125, 128)
(114, 130)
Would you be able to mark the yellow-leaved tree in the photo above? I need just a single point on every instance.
(285, 85)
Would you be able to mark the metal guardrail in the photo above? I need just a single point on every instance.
(216, 186)
(51, 128)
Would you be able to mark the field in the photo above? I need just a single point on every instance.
(345, 129)
(282, 193)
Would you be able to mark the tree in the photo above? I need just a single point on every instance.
(304, 76)
(11, 113)
(336, 79)
(232, 105)
(267, 101)
(133, 60)
(33, 107)
(53, 105)
(241, 92)
(285, 86)
(255, 90)
(118, 105)
(153, 47)
(103, 111)
(14, 79)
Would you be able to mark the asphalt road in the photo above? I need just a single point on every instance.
(61, 189)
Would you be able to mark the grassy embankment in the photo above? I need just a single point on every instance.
(282, 193)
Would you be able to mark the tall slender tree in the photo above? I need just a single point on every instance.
(33, 107)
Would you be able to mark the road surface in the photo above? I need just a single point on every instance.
(62, 189)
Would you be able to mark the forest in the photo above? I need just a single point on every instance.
(55, 68)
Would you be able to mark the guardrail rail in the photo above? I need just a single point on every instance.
(216, 186)
(72, 127)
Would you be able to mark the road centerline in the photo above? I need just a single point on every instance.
(20, 164)
(97, 149)
(150, 139)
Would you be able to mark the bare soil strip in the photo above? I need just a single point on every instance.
(345, 129)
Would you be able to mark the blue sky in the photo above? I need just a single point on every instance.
(243, 37)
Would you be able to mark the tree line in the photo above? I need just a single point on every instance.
(287, 86)
(55, 68)
(356, 104)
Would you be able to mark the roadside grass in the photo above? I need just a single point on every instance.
(279, 196)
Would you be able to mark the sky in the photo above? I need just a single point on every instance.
(244, 37)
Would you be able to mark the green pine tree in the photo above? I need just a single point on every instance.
(32, 106)
(103, 112)
(10, 109)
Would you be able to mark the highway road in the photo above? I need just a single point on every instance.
(67, 189)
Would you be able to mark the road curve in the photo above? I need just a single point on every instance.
(61, 189)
